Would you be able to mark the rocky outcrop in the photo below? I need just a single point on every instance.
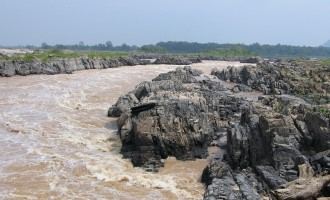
(224, 183)
(307, 79)
(252, 60)
(58, 66)
(271, 148)
(176, 60)
(174, 115)
(274, 147)
(268, 82)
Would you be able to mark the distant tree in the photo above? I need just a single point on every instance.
(109, 45)
(44, 45)
(123, 47)
(81, 44)
(152, 49)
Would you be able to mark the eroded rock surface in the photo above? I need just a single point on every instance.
(306, 79)
(176, 60)
(176, 114)
(265, 148)
(60, 66)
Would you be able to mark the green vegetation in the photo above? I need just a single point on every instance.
(324, 111)
(108, 50)
(55, 54)
(152, 49)
(310, 79)
(270, 51)
(233, 52)
(325, 62)
(267, 51)
(104, 54)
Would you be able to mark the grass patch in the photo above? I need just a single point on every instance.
(325, 62)
(226, 53)
(324, 111)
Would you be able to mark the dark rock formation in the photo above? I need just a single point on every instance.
(174, 115)
(176, 60)
(253, 60)
(58, 66)
(276, 147)
(268, 82)
(273, 147)
(224, 183)
(307, 79)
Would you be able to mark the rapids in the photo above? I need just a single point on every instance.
(58, 143)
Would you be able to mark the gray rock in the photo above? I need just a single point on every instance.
(174, 115)
(174, 60)
(319, 128)
(270, 176)
(263, 144)
(264, 77)
(59, 66)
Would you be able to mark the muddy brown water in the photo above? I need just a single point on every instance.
(58, 143)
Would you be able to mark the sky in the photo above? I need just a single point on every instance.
(138, 22)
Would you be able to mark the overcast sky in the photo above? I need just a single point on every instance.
(296, 22)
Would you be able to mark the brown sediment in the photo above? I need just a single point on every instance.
(57, 142)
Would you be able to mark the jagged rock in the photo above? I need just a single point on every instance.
(241, 88)
(270, 176)
(6, 69)
(223, 183)
(304, 78)
(267, 139)
(174, 115)
(319, 129)
(251, 60)
(321, 161)
(175, 60)
(269, 144)
(268, 81)
(58, 66)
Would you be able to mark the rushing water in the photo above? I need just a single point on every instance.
(58, 143)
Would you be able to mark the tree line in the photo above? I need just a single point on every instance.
(201, 48)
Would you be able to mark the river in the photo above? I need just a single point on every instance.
(58, 143)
